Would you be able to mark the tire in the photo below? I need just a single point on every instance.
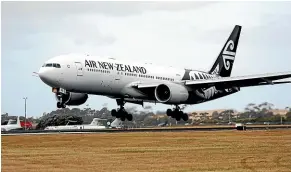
(169, 112)
(113, 112)
(185, 117)
(59, 105)
(129, 117)
(122, 118)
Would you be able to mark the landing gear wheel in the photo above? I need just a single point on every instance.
(59, 105)
(169, 112)
(121, 113)
(185, 117)
(129, 117)
(63, 106)
(177, 114)
(113, 112)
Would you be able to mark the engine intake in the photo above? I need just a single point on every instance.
(73, 98)
(171, 93)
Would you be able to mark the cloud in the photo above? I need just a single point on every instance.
(187, 34)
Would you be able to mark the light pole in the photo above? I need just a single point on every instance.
(24, 112)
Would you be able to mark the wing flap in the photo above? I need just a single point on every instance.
(243, 81)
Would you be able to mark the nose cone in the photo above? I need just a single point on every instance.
(47, 76)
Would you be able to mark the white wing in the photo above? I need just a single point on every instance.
(242, 81)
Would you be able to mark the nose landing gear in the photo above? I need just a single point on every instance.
(60, 97)
(61, 105)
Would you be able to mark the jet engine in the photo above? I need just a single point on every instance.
(171, 93)
(73, 98)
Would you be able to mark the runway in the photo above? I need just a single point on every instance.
(161, 129)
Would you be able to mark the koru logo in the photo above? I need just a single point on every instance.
(216, 70)
(228, 55)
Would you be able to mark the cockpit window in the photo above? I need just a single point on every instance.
(56, 65)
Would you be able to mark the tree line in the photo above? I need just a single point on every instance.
(252, 114)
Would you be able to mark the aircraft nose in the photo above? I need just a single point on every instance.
(43, 74)
(46, 75)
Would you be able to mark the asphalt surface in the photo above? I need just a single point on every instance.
(161, 129)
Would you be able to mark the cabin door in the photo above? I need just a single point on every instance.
(79, 68)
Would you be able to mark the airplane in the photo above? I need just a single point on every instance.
(73, 77)
(12, 125)
(116, 124)
(95, 124)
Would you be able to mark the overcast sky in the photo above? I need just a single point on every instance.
(188, 34)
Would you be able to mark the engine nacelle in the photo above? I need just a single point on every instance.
(73, 98)
(171, 93)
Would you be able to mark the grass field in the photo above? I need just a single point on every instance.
(233, 151)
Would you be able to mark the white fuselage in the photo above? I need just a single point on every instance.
(12, 125)
(75, 127)
(109, 77)
(94, 125)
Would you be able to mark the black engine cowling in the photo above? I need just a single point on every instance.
(171, 93)
(73, 98)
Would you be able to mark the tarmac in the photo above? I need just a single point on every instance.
(160, 129)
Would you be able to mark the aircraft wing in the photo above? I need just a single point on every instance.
(242, 81)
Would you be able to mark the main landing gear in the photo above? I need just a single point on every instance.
(121, 113)
(177, 114)
(60, 97)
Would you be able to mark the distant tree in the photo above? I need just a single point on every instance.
(266, 106)
(227, 115)
(215, 115)
(204, 116)
(251, 110)
(288, 116)
(57, 120)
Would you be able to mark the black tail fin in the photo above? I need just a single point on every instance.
(224, 62)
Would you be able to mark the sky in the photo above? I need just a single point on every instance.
(181, 34)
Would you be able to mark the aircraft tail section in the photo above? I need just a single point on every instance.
(224, 62)
(18, 121)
